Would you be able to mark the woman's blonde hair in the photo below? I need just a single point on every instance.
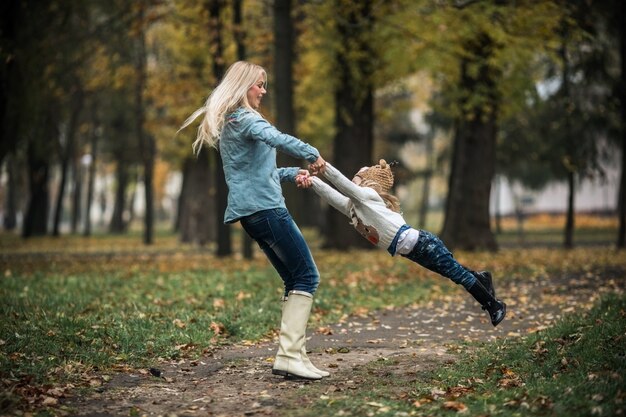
(391, 201)
(230, 94)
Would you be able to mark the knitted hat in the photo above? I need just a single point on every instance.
(380, 174)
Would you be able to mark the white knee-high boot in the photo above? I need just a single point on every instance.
(309, 364)
(289, 361)
(305, 358)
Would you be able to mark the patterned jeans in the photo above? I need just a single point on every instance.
(432, 254)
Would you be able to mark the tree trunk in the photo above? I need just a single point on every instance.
(67, 154)
(354, 116)
(147, 145)
(91, 179)
(568, 242)
(498, 209)
(572, 163)
(196, 214)
(246, 240)
(466, 224)
(621, 204)
(118, 225)
(36, 220)
(238, 29)
(428, 173)
(130, 206)
(148, 180)
(224, 244)
(61, 192)
(11, 80)
(621, 201)
(10, 208)
(283, 94)
(77, 191)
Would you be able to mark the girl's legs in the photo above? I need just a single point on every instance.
(431, 253)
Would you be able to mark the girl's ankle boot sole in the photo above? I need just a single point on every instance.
(495, 323)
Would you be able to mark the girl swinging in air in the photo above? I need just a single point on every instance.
(375, 214)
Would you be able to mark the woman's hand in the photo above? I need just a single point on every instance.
(318, 167)
(303, 179)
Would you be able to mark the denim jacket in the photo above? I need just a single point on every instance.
(248, 145)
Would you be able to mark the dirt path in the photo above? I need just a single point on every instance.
(237, 380)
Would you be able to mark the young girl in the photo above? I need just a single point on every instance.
(375, 214)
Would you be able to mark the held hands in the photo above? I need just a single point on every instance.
(318, 167)
(303, 179)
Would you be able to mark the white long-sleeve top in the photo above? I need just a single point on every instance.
(368, 213)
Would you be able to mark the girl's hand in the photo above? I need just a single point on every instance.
(318, 167)
(303, 179)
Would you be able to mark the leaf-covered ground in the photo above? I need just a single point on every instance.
(105, 326)
(236, 380)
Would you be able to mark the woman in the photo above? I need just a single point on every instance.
(375, 214)
(247, 144)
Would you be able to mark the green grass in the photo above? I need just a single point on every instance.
(97, 320)
(71, 305)
(576, 368)
(134, 311)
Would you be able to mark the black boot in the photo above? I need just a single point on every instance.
(495, 308)
(485, 278)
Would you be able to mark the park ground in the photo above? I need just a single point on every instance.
(424, 349)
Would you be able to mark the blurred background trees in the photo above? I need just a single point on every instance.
(467, 95)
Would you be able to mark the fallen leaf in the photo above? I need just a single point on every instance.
(49, 401)
(94, 382)
(509, 383)
(241, 296)
(218, 328)
(436, 392)
(324, 330)
(457, 406)
(55, 392)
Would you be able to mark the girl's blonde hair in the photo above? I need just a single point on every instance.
(391, 201)
(230, 94)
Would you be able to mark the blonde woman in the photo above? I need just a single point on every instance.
(247, 144)
(375, 214)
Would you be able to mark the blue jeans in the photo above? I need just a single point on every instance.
(432, 254)
(281, 240)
